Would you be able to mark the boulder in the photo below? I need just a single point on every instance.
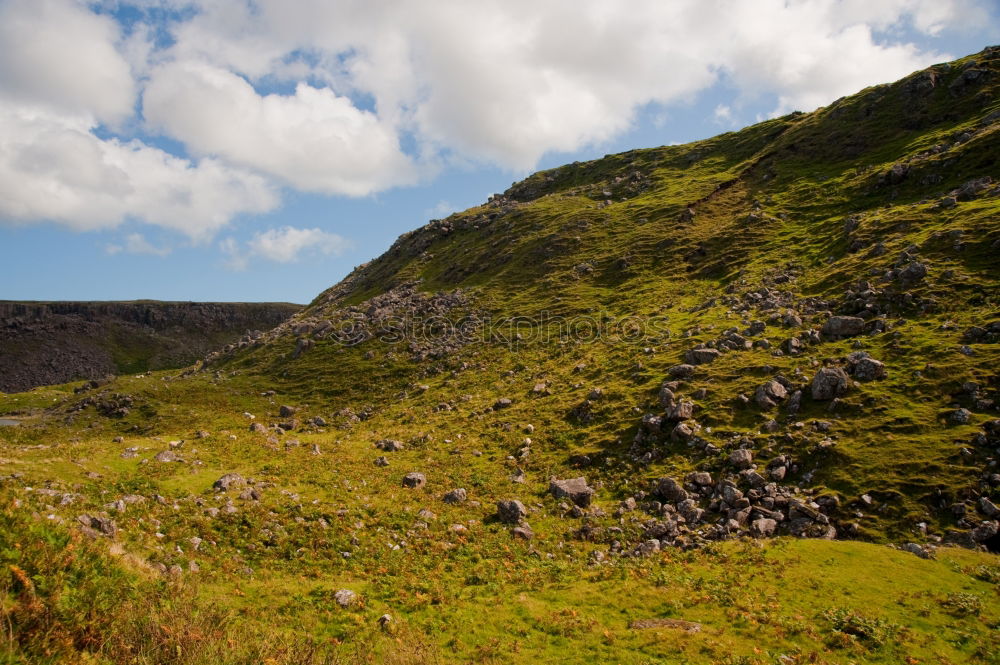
(763, 527)
(414, 480)
(830, 382)
(682, 371)
(456, 496)
(511, 511)
(843, 326)
(345, 598)
(701, 356)
(741, 458)
(869, 369)
(389, 445)
(285, 411)
(769, 394)
(670, 490)
(574, 489)
(227, 481)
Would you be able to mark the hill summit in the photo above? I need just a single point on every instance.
(730, 401)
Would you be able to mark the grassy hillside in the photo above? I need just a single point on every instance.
(772, 356)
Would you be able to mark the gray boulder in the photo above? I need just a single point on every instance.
(763, 527)
(741, 458)
(830, 382)
(229, 480)
(701, 356)
(769, 394)
(456, 496)
(414, 480)
(843, 326)
(574, 489)
(511, 511)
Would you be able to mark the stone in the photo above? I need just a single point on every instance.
(988, 508)
(258, 428)
(741, 458)
(511, 511)
(227, 481)
(682, 371)
(666, 397)
(681, 411)
(921, 551)
(670, 490)
(913, 273)
(456, 496)
(345, 598)
(381, 460)
(682, 433)
(166, 456)
(769, 394)
(843, 326)
(414, 480)
(503, 403)
(830, 382)
(389, 445)
(960, 416)
(285, 411)
(701, 356)
(574, 489)
(869, 369)
(523, 532)
(98, 524)
(703, 478)
(763, 527)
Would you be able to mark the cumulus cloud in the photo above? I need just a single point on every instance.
(509, 80)
(283, 245)
(313, 139)
(351, 98)
(52, 167)
(58, 54)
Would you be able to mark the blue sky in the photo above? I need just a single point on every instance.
(238, 151)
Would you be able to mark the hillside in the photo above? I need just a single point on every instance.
(43, 343)
(732, 401)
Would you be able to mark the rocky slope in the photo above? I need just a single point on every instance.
(733, 401)
(44, 343)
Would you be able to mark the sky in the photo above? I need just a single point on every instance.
(259, 150)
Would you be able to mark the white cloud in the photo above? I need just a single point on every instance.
(136, 243)
(322, 96)
(53, 168)
(723, 115)
(59, 54)
(314, 139)
(285, 245)
(506, 81)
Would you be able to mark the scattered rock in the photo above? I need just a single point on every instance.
(574, 489)
(701, 356)
(830, 382)
(456, 496)
(345, 598)
(741, 458)
(511, 512)
(843, 326)
(227, 481)
(414, 480)
(769, 394)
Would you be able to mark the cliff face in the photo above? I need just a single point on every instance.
(54, 342)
